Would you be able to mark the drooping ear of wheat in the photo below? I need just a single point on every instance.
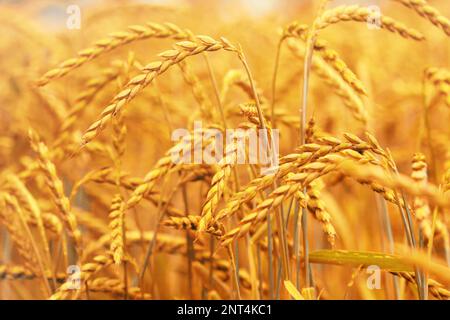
(361, 14)
(423, 8)
(117, 39)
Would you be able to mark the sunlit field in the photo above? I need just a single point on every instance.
(225, 150)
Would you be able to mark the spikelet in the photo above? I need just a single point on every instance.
(191, 222)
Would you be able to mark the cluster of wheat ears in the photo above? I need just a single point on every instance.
(92, 205)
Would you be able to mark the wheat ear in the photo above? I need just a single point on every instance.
(219, 182)
(117, 39)
(116, 226)
(56, 189)
(181, 51)
(361, 14)
(436, 289)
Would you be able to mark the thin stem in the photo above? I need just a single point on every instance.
(216, 90)
(189, 243)
(390, 236)
(286, 224)
(274, 81)
(35, 249)
(270, 254)
(161, 212)
(306, 72)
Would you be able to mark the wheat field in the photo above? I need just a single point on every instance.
(350, 98)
